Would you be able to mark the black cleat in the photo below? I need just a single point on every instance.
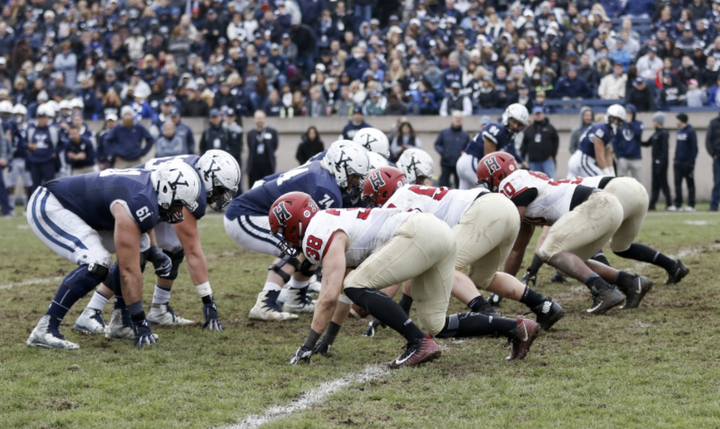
(635, 292)
(548, 313)
(494, 300)
(558, 278)
(522, 338)
(530, 278)
(604, 300)
(678, 274)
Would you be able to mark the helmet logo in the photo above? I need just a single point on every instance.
(212, 168)
(368, 141)
(342, 162)
(281, 213)
(511, 167)
(180, 176)
(377, 181)
(413, 166)
(492, 165)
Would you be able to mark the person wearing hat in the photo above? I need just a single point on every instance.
(79, 152)
(355, 124)
(540, 144)
(660, 149)
(449, 144)
(288, 48)
(43, 146)
(456, 102)
(104, 154)
(673, 90)
(65, 62)
(125, 142)
(649, 64)
(267, 69)
(641, 96)
(195, 106)
(686, 151)
(182, 130)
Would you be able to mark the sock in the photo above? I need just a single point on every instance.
(405, 303)
(479, 305)
(595, 281)
(294, 284)
(98, 301)
(161, 295)
(532, 298)
(623, 278)
(535, 264)
(119, 303)
(76, 285)
(600, 257)
(476, 325)
(643, 253)
(331, 332)
(272, 286)
(386, 311)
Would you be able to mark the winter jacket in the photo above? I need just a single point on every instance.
(659, 144)
(308, 148)
(172, 146)
(628, 140)
(127, 143)
(572, 88)
(712, 138)
(612, 87)
(687, 149)
(450, 144)
(84, 145)
(67, 65)
(643, 100)
(577, 132)
(540, 142)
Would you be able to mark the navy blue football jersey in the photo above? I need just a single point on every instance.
(190, 160)
(496, 133)
(600, 130)
(319, 156)
(310, 178)
(90, 196)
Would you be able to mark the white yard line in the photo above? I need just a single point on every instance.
(310, 398)
(31, 282)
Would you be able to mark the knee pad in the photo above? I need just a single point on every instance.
(306, 268)
(277, 268)
(176, 258)
(100, 271)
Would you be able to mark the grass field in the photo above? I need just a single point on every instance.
(656, 366)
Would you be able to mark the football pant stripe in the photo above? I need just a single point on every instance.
(35, 209)
(254, 234)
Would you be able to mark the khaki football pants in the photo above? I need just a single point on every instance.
(634, 200)
(423, 249)
(485, 236)
(586, 229)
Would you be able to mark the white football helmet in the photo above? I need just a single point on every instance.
(415, 163)
(373, 140)
(6, 106)
(615, 111)
(343, 159)
(176, 184)
(518, 112)
(219, 169)
(376, 160)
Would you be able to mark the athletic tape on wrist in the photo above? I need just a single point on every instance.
(204, 289)
(345, 300)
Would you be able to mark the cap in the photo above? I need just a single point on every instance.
(174, 111)
(110, 73)
(167, 101)
(262, 53)
(136, 30)
(136, 73)
(375, 21)
(111, 117)
(652, 49)
(214, 112)
(455, 85)
(682, 117)
(321, 66)
(537, 109)
(211, 10)
(638, 81)
(357, 109)
(393, 18)
(274, 47)
(285, 36)
(692, 82)
(229, 112)
(572, 68)
(222, 40)
(522, 86)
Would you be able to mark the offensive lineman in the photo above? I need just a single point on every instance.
(384, 247)
(417, 166)
(220, 177)
(85, 218)
(594, 154)
(582, 220)
(340, 173)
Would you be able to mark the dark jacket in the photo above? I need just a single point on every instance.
(450, 144)
(643, 100)
(659, 144)
(268, 140)
(687, 149)
(628, 140)
(572, 88)
(712, 138)
(221, 138)
(127, 143)
(84, 145)
(308, 148)
(540, 142)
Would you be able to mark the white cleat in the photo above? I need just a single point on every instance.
(163, 315)
(297, 301)
(266, 308)
(90, 322)
(314, 286)
(118, 329)
(46, 334)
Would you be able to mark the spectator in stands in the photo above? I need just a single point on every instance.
(262, 143)
(310, 145)
(673, 92)
(450, 144)
(125, 142)
(404, 139)
(612, 86)
(586, 119)
(641, 96)
(356, 123)
(660, 150)
(455, 101)
(375, 105)
(709, 73)
(572, 87)
(273, 106)
(695, 96)
(712, 144)
(316, 106)
(587, 72)
(649, 64)
(627, 145)
(540, 144)
(686, 151)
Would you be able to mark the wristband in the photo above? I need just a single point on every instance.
(344, 299)
(203, 289)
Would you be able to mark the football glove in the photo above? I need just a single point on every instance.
(143, 334)
(321, 348)
(161, 262)
(212, 319)
(373, 327)
(302, 354)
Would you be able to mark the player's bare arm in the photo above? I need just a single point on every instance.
(514, 260)
(599, 146)
(127, 246)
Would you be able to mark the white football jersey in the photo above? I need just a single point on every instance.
(367, 229)
(553, 198)
(445, 204)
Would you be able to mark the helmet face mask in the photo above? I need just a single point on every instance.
(177, 185)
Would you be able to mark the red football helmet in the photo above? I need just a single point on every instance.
(380, 184)
(289, 218)
(494, 168)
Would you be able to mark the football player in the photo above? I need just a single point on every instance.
(582, 220)
(384, 247)
(594, 154)
(492, 137)
(339, 174)
(417, 166)
(85, 218)
(371, 139)
(485, 226)
(220, 178)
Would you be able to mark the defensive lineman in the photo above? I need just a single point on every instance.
(86, 218)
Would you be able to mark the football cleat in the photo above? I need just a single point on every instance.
(604, 300)
(558, 278)
(522, 338)
(297, 301)
(416, 352)
(266, 308)
(548, 313)
(530, 278)
(635, 291)
(47, 334)
(163, 315)
(120, 326)
(678, 274)
(494, 300)
(90, 322)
